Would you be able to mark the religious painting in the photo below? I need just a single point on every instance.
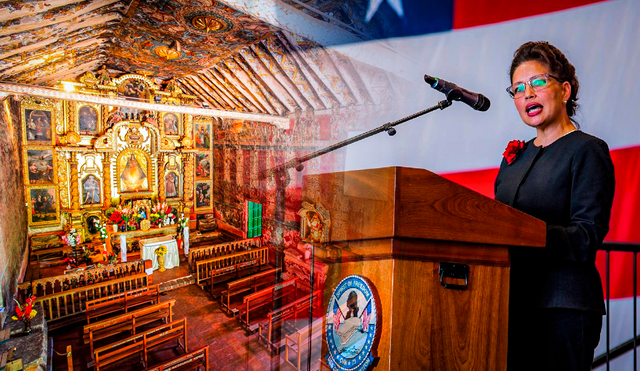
(91, 191)
(203, 135)
(134, 88)
(203, 166)
(90, 221)
(315, 222)
(38, 128)
(172, 185)
(39, 165)
(203, 196)
(43, 206)
(170, 123)
(88, 119)
(134, 171)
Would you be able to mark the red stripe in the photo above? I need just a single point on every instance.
(470, 13)
(625, 214)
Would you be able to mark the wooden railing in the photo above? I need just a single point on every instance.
(71, 281)
(213, 251)
(205, 269)
(71, 302)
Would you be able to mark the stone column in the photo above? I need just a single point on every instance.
(161, 190)
(73, 178)
(106, 178)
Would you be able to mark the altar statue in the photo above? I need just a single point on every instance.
(133, 175)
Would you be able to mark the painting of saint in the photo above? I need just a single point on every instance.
(203, 195)
(171, 186)
(43, 205)
(135, 89)
(203, 166)
(133, 173)
(38, 125)
(90, 190)
(40, 164)
(170, 122)
(203, 136)
(87, 120)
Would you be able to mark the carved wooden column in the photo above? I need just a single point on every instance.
(73, 177)
(106, 177)
(187, 165)
(161, 190)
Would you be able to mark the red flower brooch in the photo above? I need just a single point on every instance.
(513, 149)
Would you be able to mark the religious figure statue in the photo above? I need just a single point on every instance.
(172, 87)
(133, 175)
(103, 76)
(315, 227)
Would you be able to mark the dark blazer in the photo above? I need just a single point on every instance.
(569, 185)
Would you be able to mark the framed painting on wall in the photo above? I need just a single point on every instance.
(88, 118)
(202, 135)
(91, 191)
(43, 206)
(39, 165)
(172, 185)
(170, 123)
(37, 124)
(135, 172)
(203, 196)
(203, 166)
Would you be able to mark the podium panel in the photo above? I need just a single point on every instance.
(437, 256)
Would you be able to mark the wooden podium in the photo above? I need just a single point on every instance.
(398, 227)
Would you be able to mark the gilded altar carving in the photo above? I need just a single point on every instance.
(315, 224)
(63, 179)
(187, 161)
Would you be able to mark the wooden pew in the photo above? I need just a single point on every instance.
(298, 342)
(200, 253)
(226, 264)
(122, 301)
(186, 362)
(264, 300)
(72, 302)
(128, 322)
(241, 286)
(292, 312)
(140, 345)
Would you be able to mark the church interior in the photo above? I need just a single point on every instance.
(151, 181)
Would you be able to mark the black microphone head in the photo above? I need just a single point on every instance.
(483, 103)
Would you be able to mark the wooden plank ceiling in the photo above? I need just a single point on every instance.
(228, 59)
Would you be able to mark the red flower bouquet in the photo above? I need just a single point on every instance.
(25, 313)
(513, 150)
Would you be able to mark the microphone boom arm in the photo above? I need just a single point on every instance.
(388, 127)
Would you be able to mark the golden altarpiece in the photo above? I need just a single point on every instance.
(82, 159)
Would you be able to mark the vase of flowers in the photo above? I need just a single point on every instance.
(161, 252)
(25, 313)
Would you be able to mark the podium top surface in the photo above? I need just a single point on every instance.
(416, 203)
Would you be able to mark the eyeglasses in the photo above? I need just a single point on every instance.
(536, 83)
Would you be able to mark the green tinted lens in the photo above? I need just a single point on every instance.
(539, 82)
(518, 88)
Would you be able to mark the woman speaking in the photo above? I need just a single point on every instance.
(564, 177)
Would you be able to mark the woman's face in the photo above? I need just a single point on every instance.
(544, 107)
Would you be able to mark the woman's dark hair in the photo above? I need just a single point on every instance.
(555, 61)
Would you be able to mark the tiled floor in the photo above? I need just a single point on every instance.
(230, 347)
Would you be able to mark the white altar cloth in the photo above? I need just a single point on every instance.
(149, 246)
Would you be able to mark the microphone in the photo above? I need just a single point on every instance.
(453, 92)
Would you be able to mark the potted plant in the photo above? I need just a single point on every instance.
(161, 252)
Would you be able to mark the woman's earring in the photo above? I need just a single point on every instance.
(565, 102)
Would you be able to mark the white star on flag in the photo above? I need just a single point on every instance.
(375, 4)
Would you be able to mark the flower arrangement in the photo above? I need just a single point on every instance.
(110, 257)
(72, 238)
(25, 312)
(182, 223)
(162, 215)
(161, 251)
(102, 229)
(512, 151)
(68, 261)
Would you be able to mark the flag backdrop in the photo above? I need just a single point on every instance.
(473, 48)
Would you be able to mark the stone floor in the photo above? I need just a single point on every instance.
(230, 347)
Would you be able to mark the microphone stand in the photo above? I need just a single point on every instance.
(388, 127)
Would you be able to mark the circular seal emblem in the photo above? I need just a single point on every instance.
(352, 325)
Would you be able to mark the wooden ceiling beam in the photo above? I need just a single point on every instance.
(36, 22)
(240, 84)
(257, 81)
(30, 9)
(215, 85)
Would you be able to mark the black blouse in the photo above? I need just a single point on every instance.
(569, 185)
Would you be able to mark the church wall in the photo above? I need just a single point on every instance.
(13, 223)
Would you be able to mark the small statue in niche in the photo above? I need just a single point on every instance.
(172, 87)
(315, 227)
(103, 76)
